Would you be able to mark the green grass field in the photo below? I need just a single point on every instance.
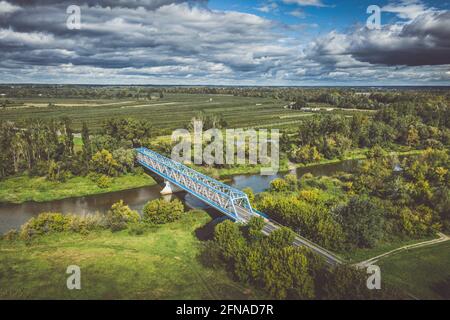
(162, 264)
(359, 255)
(423, 272)
(39, 189)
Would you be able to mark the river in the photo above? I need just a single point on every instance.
(12, 216)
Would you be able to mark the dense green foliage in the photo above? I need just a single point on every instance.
(47, 223)
(120, 216)
(160, 211)
(282, 270)
(47, 148)
(383, 200)
(332, 136)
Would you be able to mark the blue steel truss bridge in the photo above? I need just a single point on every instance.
(230, 201)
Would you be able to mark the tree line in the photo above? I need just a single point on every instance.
(410, 125)
(50, 148)
(283, 271)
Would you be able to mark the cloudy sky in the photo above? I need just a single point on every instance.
(225, 42)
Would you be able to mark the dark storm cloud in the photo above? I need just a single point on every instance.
(424, 41)
(147, 4)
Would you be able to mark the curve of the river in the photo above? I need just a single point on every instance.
(12, 216)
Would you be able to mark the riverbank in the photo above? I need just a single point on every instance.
(160, 264)
(286, 165)
(39, 189)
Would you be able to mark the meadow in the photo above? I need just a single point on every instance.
(422, 272)
(160, 264)
(24, 188)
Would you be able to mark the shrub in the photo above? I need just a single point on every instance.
(85, 224)
(279, 185)
(120, 216)
(104, 181)
(292, 181)
(45, 223)
(160, 211)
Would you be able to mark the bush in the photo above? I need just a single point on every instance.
(47, 223)
(103, 181)
(120, 216)
(160, 211)
(279, 185)
(87, 223)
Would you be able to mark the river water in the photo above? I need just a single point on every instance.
(12, 216)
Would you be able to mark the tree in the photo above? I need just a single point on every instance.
(286, 274)
(125, 159)
(254, 229)
(349, 283)
(362, 221)
(230, 239)
(160, 211)
(103, 162)
(68, 136)
(282, 237)
(54, 171)
(250, 194)
(413, 137)
(87, 148)
(128, 130)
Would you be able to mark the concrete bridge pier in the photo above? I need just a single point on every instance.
(170, 188)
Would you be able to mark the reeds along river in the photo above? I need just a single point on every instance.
(12, 216)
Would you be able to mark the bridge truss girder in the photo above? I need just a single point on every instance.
(220, 196)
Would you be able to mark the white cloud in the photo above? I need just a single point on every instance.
(7, 8)
(298, 13)
(313, 3)
(406, 9)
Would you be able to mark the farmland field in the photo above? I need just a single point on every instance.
(172, 112)
(422, 272)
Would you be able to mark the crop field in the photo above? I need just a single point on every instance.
(422, 272)
(172, 112)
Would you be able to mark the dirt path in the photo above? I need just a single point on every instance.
(366, 263)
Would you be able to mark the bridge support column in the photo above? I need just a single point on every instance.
(170, 188)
